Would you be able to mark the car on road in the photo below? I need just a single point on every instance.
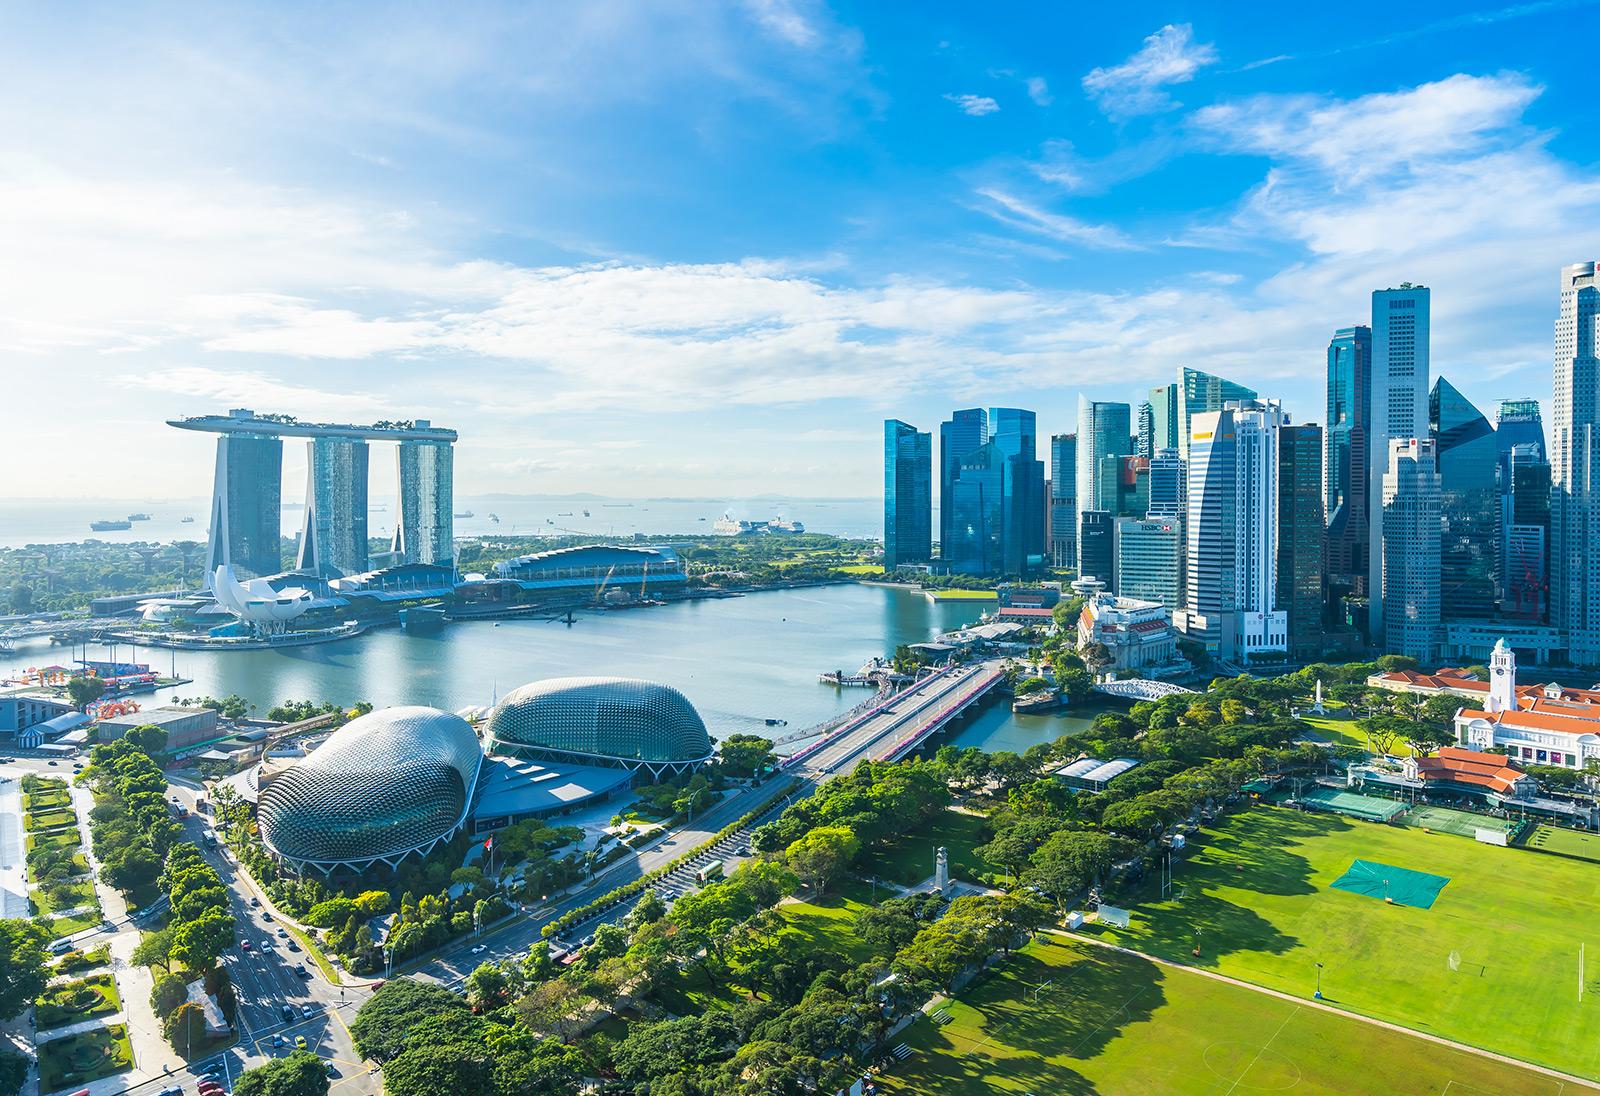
(307, 1012)
(288, 1012)
(279, 1040)
(302, 972)
(267, 917)
(291, 945)
(267, 943)
(300, 1042)
(171, 1090)
(244, 945)
(330, 1070)
(210, 1088)
(52, 764)
(283, 934)
(479, 949)
(254, 901)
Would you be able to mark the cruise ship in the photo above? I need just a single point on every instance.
(730, 526)
(110, 525)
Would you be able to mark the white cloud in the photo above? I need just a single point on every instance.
(1018, 213)
(1169, 56)
(251, 389)
(975, 105)
(1039, 91)
(780, 18)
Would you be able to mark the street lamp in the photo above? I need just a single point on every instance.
(1318, 995)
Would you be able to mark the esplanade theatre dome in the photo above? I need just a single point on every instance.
(604, 720)
(385, 785)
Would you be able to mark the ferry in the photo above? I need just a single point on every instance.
(138, 517)
(586, 513)
(464, 514)
(187, 521)
(109, 525)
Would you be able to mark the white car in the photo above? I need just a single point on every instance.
(307, 1012)
(480, 949)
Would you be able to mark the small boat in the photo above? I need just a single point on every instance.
(109, 525)
(138, 517)
(702, 519)
(187, 521)
(495, 518)
(464, 514)
(549, 521)
(777, 722)
(565, 514)
(586, 513)
(1042, 700)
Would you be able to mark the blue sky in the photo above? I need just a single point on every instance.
(705, 249)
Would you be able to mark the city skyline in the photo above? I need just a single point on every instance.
(836, 217)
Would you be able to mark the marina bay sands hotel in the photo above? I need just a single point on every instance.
(247, 497)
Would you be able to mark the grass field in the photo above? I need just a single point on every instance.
(1256, 900)
(66, 837)
(79, 1059)
(963, 595)
(1121, 1025)
(1584, 846)
(910, 860)
(860, 568)
(74, 1001)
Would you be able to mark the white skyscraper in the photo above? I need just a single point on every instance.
(1574, 466)
(1411, 549)
(1400, 325)
(1231, 558)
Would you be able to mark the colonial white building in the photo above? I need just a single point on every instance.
(1137, 634)
(1548, 725)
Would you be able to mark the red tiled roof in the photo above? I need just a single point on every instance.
(1444, 679)
(1458, 766)
(1539, 721)
(1027, 611)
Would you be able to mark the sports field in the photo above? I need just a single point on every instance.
(1256, 898)
(1119, 1024)
(1584, 846)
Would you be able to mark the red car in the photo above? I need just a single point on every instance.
(244, 945)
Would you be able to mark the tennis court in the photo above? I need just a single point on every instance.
(1353, 804)
(1402, 886)
(1448, 820)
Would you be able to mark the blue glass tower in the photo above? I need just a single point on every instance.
(907, 494)
(995, 516)
(965, 433)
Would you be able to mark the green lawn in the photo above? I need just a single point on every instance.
(66, 837)
(49, 819)
(77, 922)
(1344, 732)
(79, 1059)
(71, 1002)
(1584, 846)
(43, 800)
(1121, 1025)
(1256, 899)
(80, 893)
(829, 922)
(860, 568)
(910, 861)
(963, 595)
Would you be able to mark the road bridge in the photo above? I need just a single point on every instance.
(1140, 689)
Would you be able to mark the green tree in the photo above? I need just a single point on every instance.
(1073, 860)
(132, 868)
(486, 987)
(380, 1026)
(373, 902)
(83, 691)
(167, 994)
(24, 971)
(299, 1073)
(185, 1029)
(197, 944)
(13, 1071)
(746, 754)
(822, 854)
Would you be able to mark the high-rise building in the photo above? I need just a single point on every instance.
(966, 432)
(424, 530)
(997, 516)
(907, 494)
(1469, 507)
(1102, 432)
(1166, 490)
(1064, 500)
(1231, 558)
(246, 506)
(1097, 547)
(1149, 563)
(1525, 536)
(1145, 446)
(1300, 538)
(1164, 417)
(1345, 498)
(1575, 467)
(1123, 486)
(1410, 582)
(1519, 423)
(1198, 393)
(1400, 365)
(334, 537)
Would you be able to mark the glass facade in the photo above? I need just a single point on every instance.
(1150, 560)
(1064, 500)
(385, 785)
(1097, 547)
(247, 506)
(1525, 536)
(907, 495)
(639, 724)
(1164, 417)
(1145, 431)
(1344, 461)
(425, 529)
(965, 433)
(1166, 491)
(1300, 537)
(1198, 393)
(1103, 431)
(1468, 504)
(1401, 342)
(996, 502)
(1411, 550)
(334, 538)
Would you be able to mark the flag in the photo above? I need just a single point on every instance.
(488, 843)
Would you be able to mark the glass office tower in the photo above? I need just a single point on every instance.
(1344, 465)
(1064, 500)
(907, 494)
(997, 523)
(1300, 537)
(966, 432)
(1103, 431)
(1468, 504)
(334, 538)
(1401, 340)
(1199, 393)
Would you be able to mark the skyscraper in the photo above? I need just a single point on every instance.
(246, 506)
(1123, 486)
(1400, 364)
(1166, 492)
(1468, 505)
(1164, 416)
(1102, 432)
(1519, 423)
(1145, 431)
(1231, 561)
(1345, 498)
(997, 501)
(1575, 467)
(1097, 547)
(424, 530)
(1149, 563)
(334, 537)
(1410, 583)
(1198, 393)
(1525, 537)
(1300, 537)
(966, 432)
(907, 494)
(1064, 500)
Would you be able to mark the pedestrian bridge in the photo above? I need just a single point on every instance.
(1137, 688)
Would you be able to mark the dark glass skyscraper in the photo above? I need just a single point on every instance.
(1344, 467)
(246, 506)
(1097, 547)
(1468, 504)
(1300, 537)
(1064, 500)
(907, 495)
(966, 432)
(997, 514)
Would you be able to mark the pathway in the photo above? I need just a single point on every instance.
(13, 860)
(1465, 1048)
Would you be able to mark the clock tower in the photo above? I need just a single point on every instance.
(1502, 680)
